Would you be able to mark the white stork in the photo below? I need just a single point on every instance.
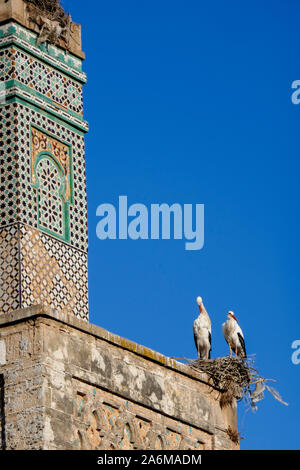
(202, 332)
(234, 336)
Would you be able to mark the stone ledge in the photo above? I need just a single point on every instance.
(31, 313)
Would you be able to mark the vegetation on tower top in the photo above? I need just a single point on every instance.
(55, 25)
(52, 9)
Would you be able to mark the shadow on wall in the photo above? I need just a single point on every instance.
(2, 415)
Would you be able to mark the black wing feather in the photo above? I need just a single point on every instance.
(196, 343)
(209, 336)
(242, 341)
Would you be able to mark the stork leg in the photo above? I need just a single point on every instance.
(230, 351)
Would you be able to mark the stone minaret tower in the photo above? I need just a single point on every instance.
(64, 383)
(43, 213)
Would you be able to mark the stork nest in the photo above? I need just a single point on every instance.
(51, 9)
(231, 376)
(236, 379)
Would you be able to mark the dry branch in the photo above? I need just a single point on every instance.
(233, 435)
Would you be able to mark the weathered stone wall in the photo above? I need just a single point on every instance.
(22, 368)
(71, 385)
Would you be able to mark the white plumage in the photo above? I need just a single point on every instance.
(234, 336)
(202, 332)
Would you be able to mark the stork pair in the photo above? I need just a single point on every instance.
(231, 330)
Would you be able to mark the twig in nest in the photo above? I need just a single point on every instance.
(234, 435)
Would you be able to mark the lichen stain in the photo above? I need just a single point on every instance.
(152, 389)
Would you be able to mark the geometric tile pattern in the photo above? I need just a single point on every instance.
(51, 168)
(38, 269)
(42, 143)
(58, 57)
(56, 275)
(50, 204)
(9, 91)
(43, 204)
(18, 196)
(9, 166)
(9, 268)
(17, 65)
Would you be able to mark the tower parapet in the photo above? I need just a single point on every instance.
(34, 14)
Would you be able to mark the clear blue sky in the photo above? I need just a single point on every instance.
(190, 102)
